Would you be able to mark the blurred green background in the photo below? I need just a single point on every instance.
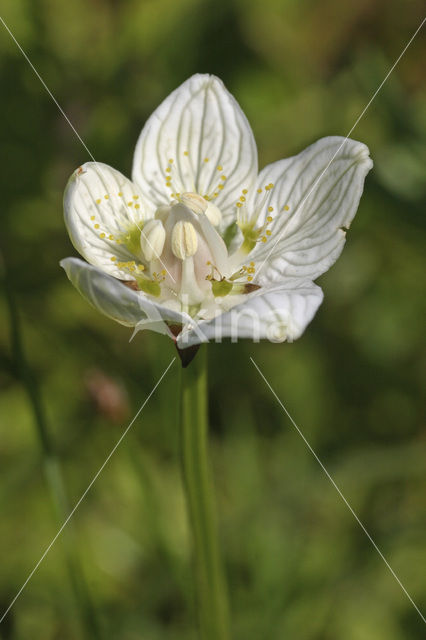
(299, 566)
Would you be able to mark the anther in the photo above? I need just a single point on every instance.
(152, 240)
(184, 240)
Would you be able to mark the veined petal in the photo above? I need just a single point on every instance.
(117, 301)
(104, 213)
(200, 139)
(313, 200)
(278, 313)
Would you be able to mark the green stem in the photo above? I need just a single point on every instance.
(211, 593)
(52, 469)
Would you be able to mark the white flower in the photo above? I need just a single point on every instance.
(198, 245)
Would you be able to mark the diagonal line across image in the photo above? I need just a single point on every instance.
(86, 491)
(337, 489)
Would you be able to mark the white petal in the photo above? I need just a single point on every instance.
(278, 313)
(321, 187)
(203, 120)
(100, 207)
(115, 300)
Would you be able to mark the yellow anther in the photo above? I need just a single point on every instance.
(223, 177)
(245, 191)
(242, 198)
(102, 235)
(113, 259)
(118, 241)
(141, 267)
(111, 237)
(184, 240)
(98, 201)
(216, 193)
(239, 204)
(106, 197)
(286, 208)
(92, 217)
(259, 191)
(208, 263)
(96, 226)
(219, 167)
(137, 206)
(264, 238)
(206, 159)
(269, 219)
(170, 160)
(268, 232)
(249, 278)
(168, 169)
(252, 264)
(163, 272)
(120, 193)
(186, 153)
(130, 204)
(270, 208)
(220, 186)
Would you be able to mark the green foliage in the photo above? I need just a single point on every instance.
(298, 564)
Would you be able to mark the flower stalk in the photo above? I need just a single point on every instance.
(211, 592)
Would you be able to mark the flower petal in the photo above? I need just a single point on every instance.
(313, 200)
(117, 301)
(201, 139)
(103, 213)
(277, 313)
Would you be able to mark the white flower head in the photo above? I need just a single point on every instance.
(198, 245)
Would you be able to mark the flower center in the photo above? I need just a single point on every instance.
(184, 257)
